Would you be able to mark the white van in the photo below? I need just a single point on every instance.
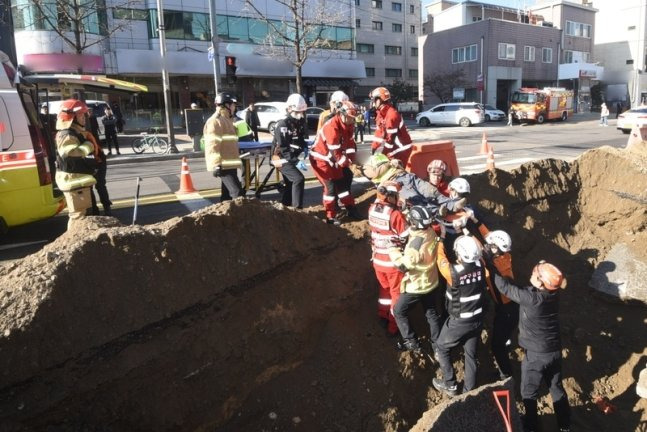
(456, 113)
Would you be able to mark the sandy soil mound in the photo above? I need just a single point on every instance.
(250, 316)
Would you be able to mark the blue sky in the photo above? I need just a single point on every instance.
(508, 3)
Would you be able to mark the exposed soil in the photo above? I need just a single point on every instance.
(247, 316)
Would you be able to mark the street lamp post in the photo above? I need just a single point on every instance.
(165, 79)
(214, 43)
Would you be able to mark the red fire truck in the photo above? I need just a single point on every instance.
(539, 105)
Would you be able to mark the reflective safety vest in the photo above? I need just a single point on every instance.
(242, 128)
(221, 142)
(75, 159)
(388, 230)
(419, 257)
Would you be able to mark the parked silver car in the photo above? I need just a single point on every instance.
(269, 113)
(455, 113)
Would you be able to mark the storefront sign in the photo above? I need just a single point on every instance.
(587, 73)
(459, 93)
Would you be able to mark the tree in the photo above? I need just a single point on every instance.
(309, 26)
(73, 20)
(442, 84)
(401, 91)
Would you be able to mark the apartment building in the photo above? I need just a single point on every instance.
(620, 35)
(501, 49)
(387, 42)
(133, 53)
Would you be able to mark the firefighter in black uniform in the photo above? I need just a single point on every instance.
(289, 142)
(466, 286)
(539, 337)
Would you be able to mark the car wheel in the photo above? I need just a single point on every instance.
(487, 117)
(625, 131)
(424, 121)
(564, 116)
(465, 122)
(541, 118)
(270, 128)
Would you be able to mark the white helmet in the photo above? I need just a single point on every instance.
(338, 96)
(296, 102)
(460, 185)
(500, 239)
(467, 249)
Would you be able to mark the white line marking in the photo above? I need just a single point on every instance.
(17, 245)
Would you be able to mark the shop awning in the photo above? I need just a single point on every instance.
(88, 82)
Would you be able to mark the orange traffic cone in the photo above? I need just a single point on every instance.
(489, 164)
(186, 184)
(484, 144)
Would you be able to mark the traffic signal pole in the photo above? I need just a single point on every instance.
(214, 43)
(165, 79)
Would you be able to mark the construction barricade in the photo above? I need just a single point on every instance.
(425, 152)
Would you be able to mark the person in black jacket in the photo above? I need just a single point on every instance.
(289, 142)
(110, 128)
(539, 336)
(251, 118)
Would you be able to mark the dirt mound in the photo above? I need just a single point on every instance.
(251, 316)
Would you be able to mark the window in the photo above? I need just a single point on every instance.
(629, 62)
(356, 2)
(547, 55)
(365, 48)
(413, 73)
(396, 28)
(194, 26)
(507, 51)
(130, 14)
(370, 72)
(576, 56)
(393, 73)
(568, 56)
(396, 7)
(578, 29)
(414, 52)
(529, 53)
(26, 16)
(412, 29)
(631, 28)
(476, 18)
(377, 25)
(358, 23)
(392, 50)
(377, 4)
(464, 54)
(412, 9)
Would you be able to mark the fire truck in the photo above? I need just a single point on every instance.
(539, 105)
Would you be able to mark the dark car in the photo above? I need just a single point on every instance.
(312, 117)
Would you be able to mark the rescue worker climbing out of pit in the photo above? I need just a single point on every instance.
(418, 263)
(388, 231)
(221, 147)
(289, 142)
(390, 131)
(329, 156)
(539, 336)
(76, 158)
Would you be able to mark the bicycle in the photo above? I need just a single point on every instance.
(159, 145)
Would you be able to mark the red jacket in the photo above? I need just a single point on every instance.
(388, 230)
(330, 151)
(390, 131)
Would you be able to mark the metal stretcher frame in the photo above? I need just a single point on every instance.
(258, 151)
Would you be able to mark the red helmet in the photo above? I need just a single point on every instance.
(388, 188)
(68, 111)
(349, 109)
(549, 276)
(382, 93)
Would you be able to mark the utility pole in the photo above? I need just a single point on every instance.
(214, 43)
(165, 80)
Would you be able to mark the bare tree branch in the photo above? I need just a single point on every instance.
(442, 84)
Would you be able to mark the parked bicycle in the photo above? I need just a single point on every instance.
(159, 145)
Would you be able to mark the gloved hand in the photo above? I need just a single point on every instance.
(306, 152)
(302, 166)
(356, 170)
(459, 223)
(217, 171)
(403, 268)
(469, 213)
(460, 204)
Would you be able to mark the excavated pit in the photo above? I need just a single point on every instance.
(247, 316)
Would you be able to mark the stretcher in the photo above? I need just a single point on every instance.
(257, 152)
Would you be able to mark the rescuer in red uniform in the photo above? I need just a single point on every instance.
(390, 130)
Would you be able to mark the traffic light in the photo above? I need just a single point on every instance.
(230, 68)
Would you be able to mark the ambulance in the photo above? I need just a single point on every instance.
(539, 105)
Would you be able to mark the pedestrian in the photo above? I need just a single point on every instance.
(110, 129)
(337, 98)
(367, 119)
(420, 281)
(243, 131)
(359, 125)
(511, 114)
(390, 131)
(618, 109)
(100, 186)
(251, 117)
(116, 109)
(539, 336)
(76, 149)
(289, 142)
(388, 231)
(328, 158)
(221, 147)
(496, 253)
(466, 284)
(604, 115)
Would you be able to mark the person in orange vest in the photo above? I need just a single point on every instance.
(539, 336)
(329, 156)
(388, 231)
(390, 131)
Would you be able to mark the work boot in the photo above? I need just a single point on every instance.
(444, 388)
(409, 345)
(107, 211)
(353, 213)
(333, 221)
